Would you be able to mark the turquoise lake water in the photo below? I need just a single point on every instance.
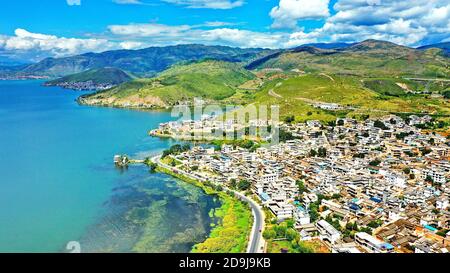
(58, 182)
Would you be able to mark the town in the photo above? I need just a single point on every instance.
(373, 186)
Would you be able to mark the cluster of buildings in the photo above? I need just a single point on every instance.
(377, 186)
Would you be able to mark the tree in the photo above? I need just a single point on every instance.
(301, 186)
(336, 196)
(243, 185)
(290, 223)
(289, 119)
(233, 183)
(313, 153)
(269, 234)
(285, 136)
(374, 224)
(340, 122)
(375, 163)
(152, 167)
(322, 152)
(407, 170)
(380, 124)
(291, 234)
(446, 94)
(313, 212)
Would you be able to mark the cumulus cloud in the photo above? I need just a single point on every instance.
(208, 4)
(289, 12)
(412, 23)
(403, 22)
(160, 34)
(37, 45)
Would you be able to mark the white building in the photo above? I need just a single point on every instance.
(301, 217)
(328, 232)
(372, 244)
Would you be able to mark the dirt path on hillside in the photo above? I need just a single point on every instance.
(274, 94)
(328, 76)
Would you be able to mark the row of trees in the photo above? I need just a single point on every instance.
(176, 150)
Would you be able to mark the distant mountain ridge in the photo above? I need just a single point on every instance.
(443, 46)
(143, 62)
(93, 79)
(329, 45)
(150, 61)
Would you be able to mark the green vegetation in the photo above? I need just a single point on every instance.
(282, 238)
(176, 150)
(243, 143)
(368, 80)
(297, 95)
(446, 94)
(108, 75)
(231, 233)
(365, 59)
(387, 87)
(210, 80)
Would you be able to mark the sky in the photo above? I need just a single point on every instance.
(31, 30)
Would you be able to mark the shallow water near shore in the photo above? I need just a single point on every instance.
(58, 182)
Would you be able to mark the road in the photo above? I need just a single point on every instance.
(256, 240)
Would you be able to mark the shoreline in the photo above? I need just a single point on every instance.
(230, 206)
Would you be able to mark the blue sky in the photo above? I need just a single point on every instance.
(32, 30)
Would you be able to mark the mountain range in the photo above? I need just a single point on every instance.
(150, 61)
(367, 78)
(143, 62)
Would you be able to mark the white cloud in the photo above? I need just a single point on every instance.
(289, 12)
(148, 30)
(410, 23)
(208, 4)
(160, 34)
(38, 45)
(74, 2)
(300, 38)
(131, 45)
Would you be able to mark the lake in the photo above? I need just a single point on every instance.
(58, 182)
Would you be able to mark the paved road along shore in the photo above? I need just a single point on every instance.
(256, 241)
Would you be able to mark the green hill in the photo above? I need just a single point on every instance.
(357, 97)
(210, 80)
(370, 58)
(107, 75)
